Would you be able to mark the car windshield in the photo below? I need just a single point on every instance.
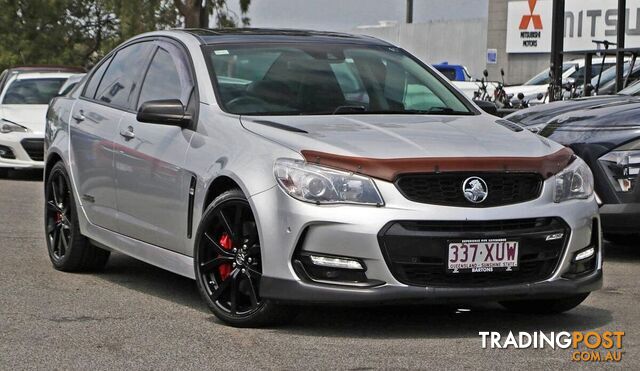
(543, 77)
(32, 91)
(608, 75)
(631, 90)
(320, 79)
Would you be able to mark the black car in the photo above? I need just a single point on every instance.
(537, 117)
(605, 133)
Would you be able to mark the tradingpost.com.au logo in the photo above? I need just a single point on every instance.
(587, 346)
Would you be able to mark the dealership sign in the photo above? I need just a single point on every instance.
(529, 24)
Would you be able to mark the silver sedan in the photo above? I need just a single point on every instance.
(285, 167)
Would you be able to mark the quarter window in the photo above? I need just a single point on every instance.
(119, 85)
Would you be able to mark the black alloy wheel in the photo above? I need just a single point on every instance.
(228, 264)
(68, 249)
(58, 216)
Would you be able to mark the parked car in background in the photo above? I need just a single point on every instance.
(71, 83)
(460, 78)
(454, 72)
(606, 84)
(537, 117)
(607, 137)
(280, 167)
(25, 93)
(535, 91)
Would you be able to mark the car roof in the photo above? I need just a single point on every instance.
(246, 35)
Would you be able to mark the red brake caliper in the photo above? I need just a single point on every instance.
(225, 269)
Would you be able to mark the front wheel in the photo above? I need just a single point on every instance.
(228, 265)
(545, 306)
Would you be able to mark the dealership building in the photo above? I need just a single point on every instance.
(515, 35)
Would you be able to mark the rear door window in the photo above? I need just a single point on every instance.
(120, 84)
(92, 84)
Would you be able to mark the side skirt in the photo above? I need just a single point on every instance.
(154, 255)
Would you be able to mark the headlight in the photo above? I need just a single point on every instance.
(321, 185)
(7, 126)
(623, 166)
(574, 182)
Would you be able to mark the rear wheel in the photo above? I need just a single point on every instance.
(545, 306)
(228, 265)
(68, 249)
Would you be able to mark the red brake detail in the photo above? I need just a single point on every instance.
(58, 217)
(225, 269)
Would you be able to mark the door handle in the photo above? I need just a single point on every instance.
(79, 117)
(127, 133)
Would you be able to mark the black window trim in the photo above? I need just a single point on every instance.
(163, 38)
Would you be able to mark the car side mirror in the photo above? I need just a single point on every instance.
(488, 107)
(164, 112)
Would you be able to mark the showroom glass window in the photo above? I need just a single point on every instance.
(118, 86)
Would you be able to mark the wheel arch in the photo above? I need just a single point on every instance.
(217, 187)
(52, 159)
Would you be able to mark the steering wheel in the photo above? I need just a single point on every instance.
(244, 103)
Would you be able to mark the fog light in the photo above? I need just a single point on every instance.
(342, 263)
(585, 254)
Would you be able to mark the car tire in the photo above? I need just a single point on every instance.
(68, 249)
(239, 265)
(545, 306)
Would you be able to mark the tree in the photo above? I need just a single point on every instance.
(197, 13)
(80, 32)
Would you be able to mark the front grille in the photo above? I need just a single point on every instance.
(446, 188)
(34, 148)
(416, 251)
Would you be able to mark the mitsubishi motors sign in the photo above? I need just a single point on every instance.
(529, 24)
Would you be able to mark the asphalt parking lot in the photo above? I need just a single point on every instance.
(133, 315)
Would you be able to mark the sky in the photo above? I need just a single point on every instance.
(345, 15)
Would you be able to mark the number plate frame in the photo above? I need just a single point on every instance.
(485, 248)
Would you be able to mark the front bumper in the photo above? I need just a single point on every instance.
(24, 150)
(620, 218)
(299, 291)
(288, 226)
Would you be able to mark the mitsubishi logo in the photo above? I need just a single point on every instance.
(535, 18)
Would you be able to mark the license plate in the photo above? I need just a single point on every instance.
(485, 255)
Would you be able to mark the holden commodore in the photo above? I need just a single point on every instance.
(279, 168)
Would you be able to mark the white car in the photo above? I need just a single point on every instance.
(25, 93)
(539, 84)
